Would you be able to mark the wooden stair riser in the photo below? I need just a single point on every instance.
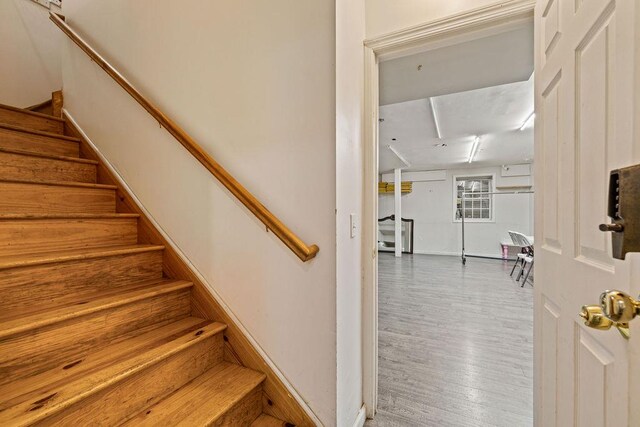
(265, 420)
(43, 108)
(37, 350)
(54, 284)
(23, 198)
(30, 120)
(227, 394)
(24, 167)
(118, 403)
(34, 387)
(41, 144)
(243, 412)
(45, 235)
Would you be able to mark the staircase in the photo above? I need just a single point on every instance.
(92, 332)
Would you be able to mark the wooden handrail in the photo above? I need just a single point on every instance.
(302, 250)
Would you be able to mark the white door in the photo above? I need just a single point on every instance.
(587, 123)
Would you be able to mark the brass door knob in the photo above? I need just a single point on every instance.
(594, 317)
(616, 309)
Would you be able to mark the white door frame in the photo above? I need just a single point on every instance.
(480, 22)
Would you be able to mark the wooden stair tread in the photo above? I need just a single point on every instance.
(31, 119)
(35, 196)
(35, 287)
(40, 106)
(16, 162)
(204, 399)
(26, 388)
(19, 324)
(59, 183)
(55, 400)
(265, 420)
(38, 132)
(32, 113)
(48, 156)
(73, 255)
(23, 139)
(31, 234)
(76, 298)
(28, 216)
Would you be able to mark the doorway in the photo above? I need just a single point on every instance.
(385, 276)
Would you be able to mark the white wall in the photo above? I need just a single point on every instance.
(349, 150)
(255, 83)
(29, 53)
(430, 204)
(384, 16)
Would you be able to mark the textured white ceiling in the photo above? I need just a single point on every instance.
(489, 61)
(495, 114)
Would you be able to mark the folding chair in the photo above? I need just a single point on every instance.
(524, 258)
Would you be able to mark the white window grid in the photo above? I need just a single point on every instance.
(478, 206)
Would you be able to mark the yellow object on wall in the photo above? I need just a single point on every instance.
(389, 187)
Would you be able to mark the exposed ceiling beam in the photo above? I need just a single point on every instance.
(474, 149)
(529, 118)
(399, 156)
(435, 117)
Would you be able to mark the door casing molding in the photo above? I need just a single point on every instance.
(481, 22)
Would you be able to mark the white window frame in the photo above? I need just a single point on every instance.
(454, 198)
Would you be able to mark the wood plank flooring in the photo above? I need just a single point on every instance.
(455, 343)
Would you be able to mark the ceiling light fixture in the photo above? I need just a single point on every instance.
(474, 149)
(399, 156)
(435, 117)
(530, 118)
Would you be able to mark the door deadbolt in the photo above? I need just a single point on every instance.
(623, 207)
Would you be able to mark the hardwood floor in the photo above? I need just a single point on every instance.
(455, 343)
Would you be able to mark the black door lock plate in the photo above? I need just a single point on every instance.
(623, 208)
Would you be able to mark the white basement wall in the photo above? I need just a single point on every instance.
(255, 83)
(29, 53)
(431, 206)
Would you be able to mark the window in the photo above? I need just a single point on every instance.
(477, 203)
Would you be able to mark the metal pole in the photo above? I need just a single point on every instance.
(464, 258)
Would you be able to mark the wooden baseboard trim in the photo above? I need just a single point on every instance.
(280, 399)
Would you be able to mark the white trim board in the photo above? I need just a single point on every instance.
(361, 417)
(481, 22)
(183, 257)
